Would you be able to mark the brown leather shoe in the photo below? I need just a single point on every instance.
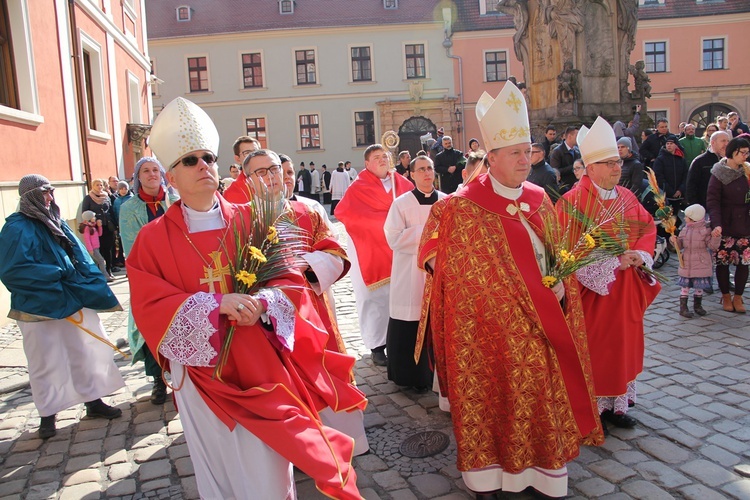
(738, 304)
(726, 302)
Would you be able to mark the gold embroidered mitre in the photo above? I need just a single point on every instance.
(598, 143)
(504, 121)
(182, 127)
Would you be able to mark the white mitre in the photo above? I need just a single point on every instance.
(598, 143)
(182, 127)
(503, 121)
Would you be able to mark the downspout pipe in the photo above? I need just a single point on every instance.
(448, 44)
(80, 97)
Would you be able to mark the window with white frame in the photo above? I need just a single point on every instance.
(286, 6)
(657, 115)
(309, 131)
(256, 128)
(134, 99)
(656, 57)
(8, 82)
(649, 3)
(198, 73)
(19, 98)
(361, 64)
(713, 53)
(416, 64)
(305, 64)
(93, 83)
(496, 66)
(364, 126)
(184, 13)
(488, 7)
(252, 70)
(390, 4)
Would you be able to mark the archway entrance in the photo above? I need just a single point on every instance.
(410, 132)
(704, 115)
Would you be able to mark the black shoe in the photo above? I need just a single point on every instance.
(604, 426)
(97, 409)
(115, 269)
(486, 496)
(159, 392)
(622, 421)
(420, 389)
(378, 356)
(47, 427)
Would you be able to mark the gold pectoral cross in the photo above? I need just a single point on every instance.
(215, 273)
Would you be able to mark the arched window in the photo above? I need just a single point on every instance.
(411, 130)
(706, 114)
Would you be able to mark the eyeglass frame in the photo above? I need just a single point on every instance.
(610, 163)
(273, 168)
(192, 160)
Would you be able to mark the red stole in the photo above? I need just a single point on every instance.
(546, 306)
(363, 211)
(276, 395)
(239, 191)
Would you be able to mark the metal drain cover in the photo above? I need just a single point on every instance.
(424, 444)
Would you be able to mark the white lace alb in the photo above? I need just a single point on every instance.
(618, 404)
(186, 341)
(281, 309)
(598, 276)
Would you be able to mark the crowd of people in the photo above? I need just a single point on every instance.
(454, 260)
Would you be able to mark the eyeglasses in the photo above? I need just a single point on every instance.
(263, 172)
(192, 160)
(610, 163)
(578, 169)
(534, 151)
(744, 153)
(422, 170)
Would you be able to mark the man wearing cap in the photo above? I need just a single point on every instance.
(55, 291)
(671, 172)
(615, 291)
(363, 210)
(510, 353)
(245, 426)
(632, 169)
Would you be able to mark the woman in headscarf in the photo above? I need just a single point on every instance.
(149, 202)
(56, 290)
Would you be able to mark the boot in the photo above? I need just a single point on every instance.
(47, 427)
(697, 307)
(684, 311)
(159, 392)
(726, 302)
(97, 409)
(738, 304)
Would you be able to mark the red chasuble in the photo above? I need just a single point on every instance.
(512, 362)
(363, 211)
(319, 238)
(275, 395)
(238, 192)
(614, 322)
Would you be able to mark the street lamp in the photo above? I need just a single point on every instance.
(457, 113)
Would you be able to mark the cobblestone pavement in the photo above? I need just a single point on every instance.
(693, 440)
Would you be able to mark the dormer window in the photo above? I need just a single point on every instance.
(390, 4)
(286, 6)
(183, 13)
(648, 3)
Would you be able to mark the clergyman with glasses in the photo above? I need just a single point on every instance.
(246, 426)
(615, 292)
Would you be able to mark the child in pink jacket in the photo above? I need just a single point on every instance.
(91, 230)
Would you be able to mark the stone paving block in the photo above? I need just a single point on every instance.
(45, 477)
(149, 453)
(680, 437)
(149, 428)
(28, 457)
(416, 412)
(725, 411)
(115, 457)
(646, 490)
(17, 472)
(401, 399)
(8, 488)
(699, 414)
(586, 456)
(700, 492)
(82, 476)
(431, 485)
(43, 491)
(661, 474)
(90, 435)
(155, 469)
(174, 427)
(373, 420)
(121, 488)
(370, 463)
(184, 467)
(403, 495)
(677, 391)
(148, 416)
(720, 455)
(87, 448)
(389, 411)
(369, 494)
(92, 423)
(378, 400)
(663, 450)
(693, 429)
(630, 457)
(119, 427)
(81, 491)
(739, 489)
(114, 443)
(708, 473)
(731, 398)
(664, 413)
(79, 463)
(178, 451)
(189, 488)
(698, 399)
(150, 440)
(595, 487)
(120, 471)
(627, 434)
(611, 470)
(157, 484)
(50, 461)
(728, 443)
(576, 472)
(390, 480)
(27, 445)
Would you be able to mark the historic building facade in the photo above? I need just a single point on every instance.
(73, 75)
(319, 80)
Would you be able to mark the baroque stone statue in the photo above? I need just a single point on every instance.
(519, 9)
(568, 84)
(641, 81)
(564, 21)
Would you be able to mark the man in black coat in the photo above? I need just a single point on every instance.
(654, 143)
(700, 170)
(448, 164)
(632, 174)
(563, 156)
(671, 172)
(304, 181)
(541, 172)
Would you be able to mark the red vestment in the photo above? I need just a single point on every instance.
(512, 362)
(614, 322)
(274, 394)
(239, 190)
(363, 211)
